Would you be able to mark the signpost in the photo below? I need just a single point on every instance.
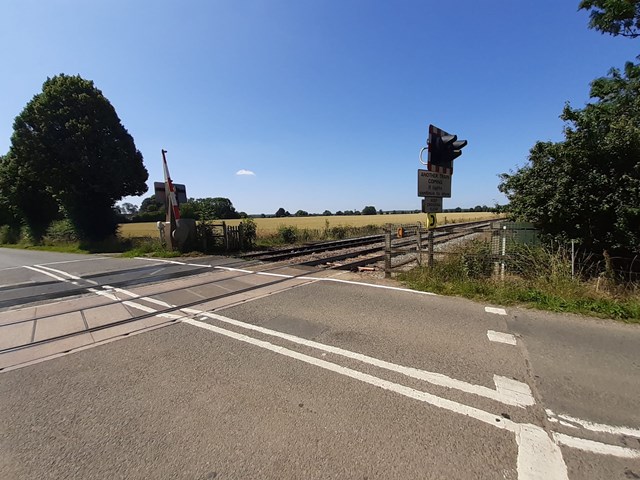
(434, 183)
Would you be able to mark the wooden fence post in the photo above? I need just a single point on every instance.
(387, 252)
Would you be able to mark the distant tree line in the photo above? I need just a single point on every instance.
(203, 209)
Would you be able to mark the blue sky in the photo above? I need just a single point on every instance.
(327, 102)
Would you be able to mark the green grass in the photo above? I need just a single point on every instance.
(73, 247)
(544, 285)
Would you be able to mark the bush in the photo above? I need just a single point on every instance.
(61, 231)
(249, 233)
(9, 234)
(288, 234)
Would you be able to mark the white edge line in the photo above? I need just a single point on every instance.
(595, 447)
(600, 427)
(281, 275)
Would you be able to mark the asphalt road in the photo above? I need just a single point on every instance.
(214, 368)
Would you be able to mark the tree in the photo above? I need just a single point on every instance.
(70, 150)
(587, 187)
(214, 208)
(302, 213)
(282, 213)
(369, 210)
(326, 213)
(127, 208)
(615, 17)
(151, 205)
(26, 197)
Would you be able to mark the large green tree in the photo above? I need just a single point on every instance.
(69, 147)
(616, 17)
(587, 187)
(213, 208)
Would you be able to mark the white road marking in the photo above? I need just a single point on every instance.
(56, 277)
(77, 260)
(69, 275)
(54, 263)
(282, 275)
(595, 447)
(509, 392)
(497, 311)
(538, 456)
(567, 424)
(501, 337)
(594, 427)
(486, 417)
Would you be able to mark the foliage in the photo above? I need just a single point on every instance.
(249, 232)
(151, 205)
(288, 234)
(326, 213)
(149, 247)
(26, 197)
(588, 186)
(616, 17)
(543, 281)
(9, 234)
(369, 210)
(212, 208)
(282, 213)
(150, 217)
(126, 208)
(302, 213)
(70, 152)
(60, 231)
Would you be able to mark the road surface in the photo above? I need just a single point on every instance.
(216, 368)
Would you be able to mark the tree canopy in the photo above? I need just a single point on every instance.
(616, 17)
(71, 154)
(587, 187)
(213, 208)
(369, 210)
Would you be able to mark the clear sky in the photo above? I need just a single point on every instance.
(325, 102)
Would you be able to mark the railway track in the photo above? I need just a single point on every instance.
(361, 251)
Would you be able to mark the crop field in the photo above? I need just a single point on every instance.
(269, 226)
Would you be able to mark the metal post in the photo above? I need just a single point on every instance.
(387, 252)
(504, 250)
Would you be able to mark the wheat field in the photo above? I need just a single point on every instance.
(268, 226)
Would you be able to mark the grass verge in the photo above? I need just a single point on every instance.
(544, 285)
